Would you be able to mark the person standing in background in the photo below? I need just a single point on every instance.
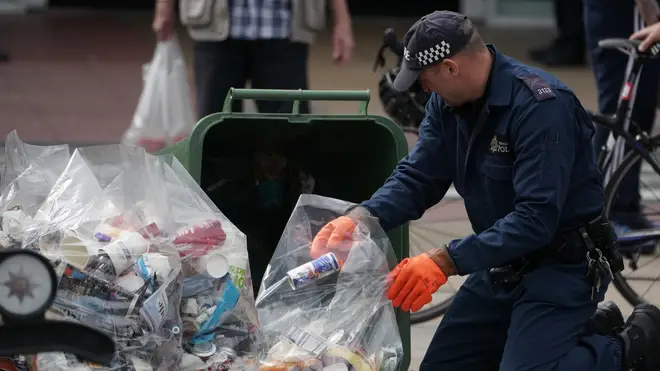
(619, 19)
(265, 42)
(568, 48)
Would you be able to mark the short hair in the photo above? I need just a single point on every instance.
(476, 43)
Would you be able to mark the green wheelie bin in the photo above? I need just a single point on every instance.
(349, 157)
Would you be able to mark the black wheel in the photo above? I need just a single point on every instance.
(430, 231)
(432, 313)
(640, 281)
(409, 129)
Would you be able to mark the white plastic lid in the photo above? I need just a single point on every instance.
(217, 265)
(204, 349)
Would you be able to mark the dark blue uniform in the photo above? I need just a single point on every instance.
(619, 19)
(526, 170)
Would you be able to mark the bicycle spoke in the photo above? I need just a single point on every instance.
(645, 279)
(638, 282)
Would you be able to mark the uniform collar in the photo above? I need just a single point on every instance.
(499, 81)
(498, 88)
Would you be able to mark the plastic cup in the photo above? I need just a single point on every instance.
(75, 251)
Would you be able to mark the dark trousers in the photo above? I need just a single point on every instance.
(267, 64)
(539, 326)
(616, 19)
(570, 22)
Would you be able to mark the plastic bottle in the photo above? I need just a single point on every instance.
(101, 266)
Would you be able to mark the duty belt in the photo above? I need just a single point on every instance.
(594, 243)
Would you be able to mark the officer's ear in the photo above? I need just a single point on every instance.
(450, 67)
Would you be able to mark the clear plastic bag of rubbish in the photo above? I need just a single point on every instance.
(219, 317)
(130, 235)
(164, 112)
(28, 176)
(330, 313)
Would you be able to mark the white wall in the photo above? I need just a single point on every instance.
(475, 9)
(486, 12)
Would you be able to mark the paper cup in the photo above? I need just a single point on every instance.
(238, 268)
(125, 251)
(75, 251)
(215, 265)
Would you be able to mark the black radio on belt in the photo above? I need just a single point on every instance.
(510, 274)
(604, 238)
(595, 243)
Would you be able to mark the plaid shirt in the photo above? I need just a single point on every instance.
(260, 19)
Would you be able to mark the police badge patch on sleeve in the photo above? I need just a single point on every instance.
(498, 144)
(539, 87)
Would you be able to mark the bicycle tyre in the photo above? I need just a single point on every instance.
(597, 120)
(436, 308)
(611, 189)
(431, 313)
(410, 129)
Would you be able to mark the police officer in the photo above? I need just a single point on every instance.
(619, 19)
(515, 142)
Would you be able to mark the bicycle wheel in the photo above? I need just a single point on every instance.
(410, 130)
(640, 281)
(439, 225)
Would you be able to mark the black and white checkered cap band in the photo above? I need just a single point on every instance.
(432, 55)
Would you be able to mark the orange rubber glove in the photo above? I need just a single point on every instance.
(414, 280)
(335, 237)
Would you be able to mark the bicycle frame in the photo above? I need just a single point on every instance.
(391, 43)
(616, 123)
(640, 142)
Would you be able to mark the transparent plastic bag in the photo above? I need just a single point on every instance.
(28, 176)
(134, 244)
(219, 317)
(330, 313)
(164, 112)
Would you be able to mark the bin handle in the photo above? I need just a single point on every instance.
(297, 96)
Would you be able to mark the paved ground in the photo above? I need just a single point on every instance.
(75, 77)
